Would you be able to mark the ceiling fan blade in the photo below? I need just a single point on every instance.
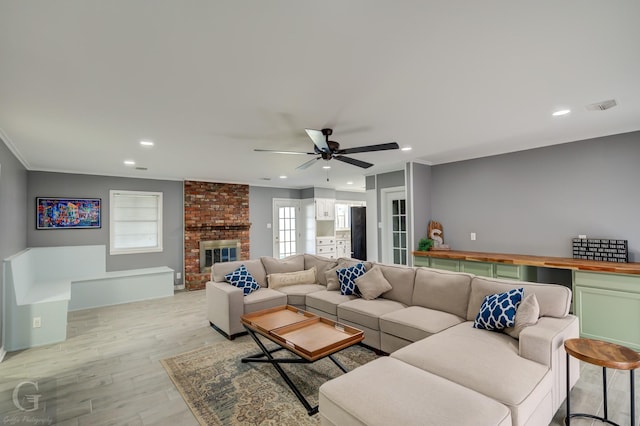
(369, 148)
(275, 151)
(308, 164)
(353, 161)
(318, 139)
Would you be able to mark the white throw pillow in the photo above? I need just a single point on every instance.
(290, 278)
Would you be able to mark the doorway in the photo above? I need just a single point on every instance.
(394, 226)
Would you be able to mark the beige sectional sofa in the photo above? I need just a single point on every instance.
(442, 367)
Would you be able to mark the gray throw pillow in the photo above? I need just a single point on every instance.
(332, 278)
(372, 284)
(527, 314)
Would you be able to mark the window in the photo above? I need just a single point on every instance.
(135, 222)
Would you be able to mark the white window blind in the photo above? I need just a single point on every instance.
(135, 222)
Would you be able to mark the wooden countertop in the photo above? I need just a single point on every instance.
(543, 261)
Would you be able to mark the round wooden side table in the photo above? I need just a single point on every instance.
(605, 355)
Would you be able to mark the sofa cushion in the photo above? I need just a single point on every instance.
(322, 265)
(415, 322)
(554, 300)
(498, 311)
(390, 392)
(367, 312)
(486, 362)
(263, 298)
(254, 266)
(442, 290)
(278, 280)
(527, 314)
(347, 279)
(327, 301)
(372, 284)
(242, 279)
(401, 279)
(297, 294)
(288, 264)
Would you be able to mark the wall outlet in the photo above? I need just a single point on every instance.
(178, 275)
(37, 322)
(473, 236)
(268, 226)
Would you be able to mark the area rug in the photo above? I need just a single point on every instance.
(220, 390)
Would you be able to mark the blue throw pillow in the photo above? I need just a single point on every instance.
(347, 279)
(498, 311)
(241, 278)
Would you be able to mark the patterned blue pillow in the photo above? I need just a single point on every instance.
(498, 311)
(241, 278)
(347, 279)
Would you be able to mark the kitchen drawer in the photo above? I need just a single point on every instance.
(325, 241)
(325, 250)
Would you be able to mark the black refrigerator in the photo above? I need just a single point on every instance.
(359, 233)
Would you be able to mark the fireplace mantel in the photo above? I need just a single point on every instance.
(214, 226)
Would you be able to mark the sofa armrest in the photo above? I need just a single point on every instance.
(225, 305)
(544, 343)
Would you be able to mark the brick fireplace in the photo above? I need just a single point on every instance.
(213, 212)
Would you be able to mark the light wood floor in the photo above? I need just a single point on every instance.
(108, 372)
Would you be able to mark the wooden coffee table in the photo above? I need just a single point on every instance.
(605, 355)
(306, 335)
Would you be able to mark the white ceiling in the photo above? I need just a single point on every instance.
(81, 82)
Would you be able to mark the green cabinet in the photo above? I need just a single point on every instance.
(421, 261)
(516, 272)
(446, 264)
(482, 269)
(608, 306)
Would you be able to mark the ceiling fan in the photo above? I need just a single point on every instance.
(326, 150)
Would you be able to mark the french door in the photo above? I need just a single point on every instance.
(394, 226)
(286, 217)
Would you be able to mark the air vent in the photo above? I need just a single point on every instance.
(141, 168)
(601, 106)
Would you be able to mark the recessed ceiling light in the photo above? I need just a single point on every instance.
(350, 183)
(146, 143)
(405, 148)
(283, 177)
(561, 112)
(326, 167)
(129, 163)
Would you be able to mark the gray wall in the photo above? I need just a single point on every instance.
(419, 202)
(534, 202)
(45, 184)
(13, 204)
(351, 196)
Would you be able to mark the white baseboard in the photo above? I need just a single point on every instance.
(2, 353)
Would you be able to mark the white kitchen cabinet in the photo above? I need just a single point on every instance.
(325, 209)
